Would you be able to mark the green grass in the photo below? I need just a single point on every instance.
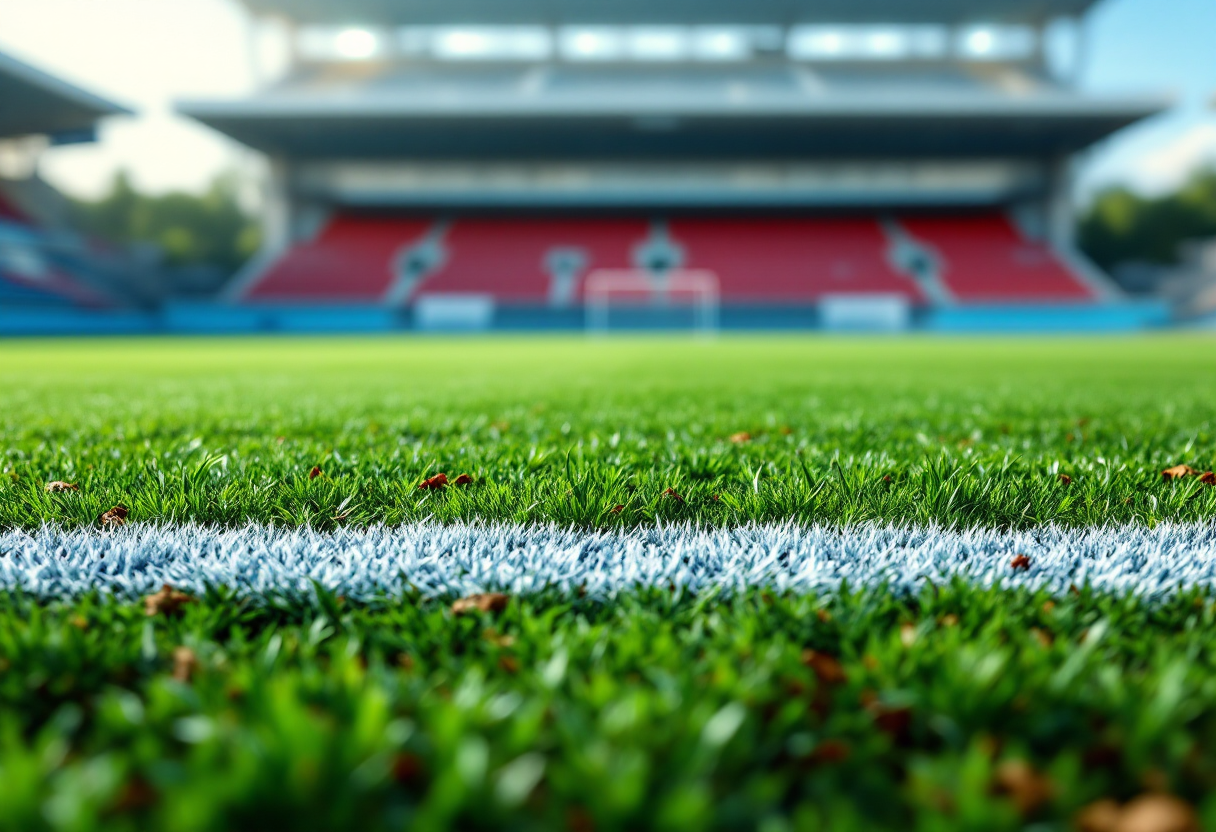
(652, 712)
(957, 431)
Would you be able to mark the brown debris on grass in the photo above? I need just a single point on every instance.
(827, 668)
(1028, 789)
(184, 664)
(1178, 472)
(114, 518)
(167, 601)
(493, 602)
(59, 487)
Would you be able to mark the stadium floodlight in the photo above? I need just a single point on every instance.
(816, 42)
(997, 43)
(356, 44)
(591, 43)
(980, 42)
(720, 43)
(517, 43)
(658, 43)
(866, 43)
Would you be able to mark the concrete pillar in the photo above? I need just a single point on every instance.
(1059, 210)
(277, 230)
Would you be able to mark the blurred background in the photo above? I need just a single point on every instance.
(378, 165)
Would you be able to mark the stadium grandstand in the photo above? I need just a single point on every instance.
(809, 162)
(50, 276)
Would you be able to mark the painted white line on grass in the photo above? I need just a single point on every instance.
(460, 559)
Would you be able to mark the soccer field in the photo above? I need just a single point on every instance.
(955, 432)
(746, 583)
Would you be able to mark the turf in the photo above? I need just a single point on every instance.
(657, 711)
(952, 431)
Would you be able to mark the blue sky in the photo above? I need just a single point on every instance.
(1152, 45)
(146, 53)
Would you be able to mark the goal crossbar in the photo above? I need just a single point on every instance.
(636, 288)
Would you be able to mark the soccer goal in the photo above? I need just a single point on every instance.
(636, 298)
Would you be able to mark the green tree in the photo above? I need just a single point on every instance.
(1123, 226)
(190, 229)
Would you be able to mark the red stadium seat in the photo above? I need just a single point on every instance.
(513, 259)
(761, 260)
(350, 260)
(775, 260)
(986, 258)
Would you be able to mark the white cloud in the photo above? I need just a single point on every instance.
(1170, 164)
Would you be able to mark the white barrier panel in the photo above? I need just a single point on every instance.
(454, 312)
(875, 313)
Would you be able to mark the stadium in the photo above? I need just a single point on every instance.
(922, 538)
(569, 165)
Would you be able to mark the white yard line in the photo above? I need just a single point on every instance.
(459, 559)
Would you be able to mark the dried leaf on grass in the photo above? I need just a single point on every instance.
(1028, 789)
(1147, 813)
(1020, 562)
(496, 638)
(315, 472)
(831, 751)
(435, 483)
(184, 664)
(827, 668)
(1064, 478)
(113, 518)
(671, 492)
(1208, 478)
(892, 720)
(741, 437)
(58, 487)
(617, 509)
(168, 601)
(482, 601)
(1178, 471)
(463, 479)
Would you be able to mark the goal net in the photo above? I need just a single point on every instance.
(639, 299)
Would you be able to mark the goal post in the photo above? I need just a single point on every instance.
(606, 290)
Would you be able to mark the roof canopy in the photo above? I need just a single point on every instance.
(473, 12)
(33, 103)
(750, 111)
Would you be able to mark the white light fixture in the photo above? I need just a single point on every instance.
(509, 43)
(586, 43)
(997, 43)
(658, 43)
(720, 44)
(356, 44)
(980, 42)
(853, 42)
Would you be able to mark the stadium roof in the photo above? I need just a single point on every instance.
(34, 103)
(421, 12)
(741, 111)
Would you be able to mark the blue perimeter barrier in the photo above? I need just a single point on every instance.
(225, 319)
